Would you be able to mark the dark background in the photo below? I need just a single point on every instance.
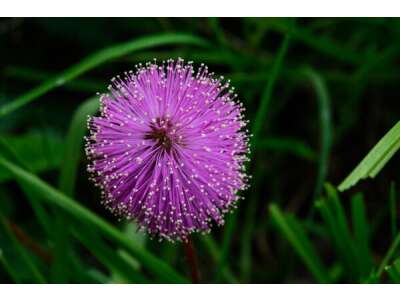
(356, 63)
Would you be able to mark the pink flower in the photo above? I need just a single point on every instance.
(169, 148)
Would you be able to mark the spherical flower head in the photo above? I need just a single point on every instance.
(169, 148)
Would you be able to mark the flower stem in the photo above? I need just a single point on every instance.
(191, 259)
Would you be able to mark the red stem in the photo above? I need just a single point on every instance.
(190, 253)
(28, 242)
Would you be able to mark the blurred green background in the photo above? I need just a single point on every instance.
(319, 93)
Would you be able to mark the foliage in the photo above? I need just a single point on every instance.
(319, 94)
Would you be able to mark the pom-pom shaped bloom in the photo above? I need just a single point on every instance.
(169, 148)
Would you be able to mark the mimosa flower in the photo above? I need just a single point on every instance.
(169, 148)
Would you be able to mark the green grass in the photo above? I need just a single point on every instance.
(24, 256)
(376, 159)
(95, 60)
(393, 209)
(74, 145)
(256, 131)
(301, 244)
(323, 99)
(64, 202)
(319, 93)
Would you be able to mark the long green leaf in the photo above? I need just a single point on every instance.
(113, 261)
(335, 218)
(284, 144)
(389, 254)
(68, 171)
(38, 75)
(258, 125)
(9, 269)
(323, 98)
(7, 151)
(73, 145)
(226, 243)
(67, 179)
(393, 274)
(213, 249)
(299, 241)
(43, 153)
(53, 196)
(322, 44)
(97, 59)
(23, 253)
(360, 79)
(267, 94)
(394, 271)
(361, 232)
(375, 160)
(54, 227)
(393, 209)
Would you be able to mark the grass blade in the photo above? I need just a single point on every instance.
(257, 127)
(299, 241)
(360, 81)
(32, 197)
(323, 45)
(335, 218)
(113, 261)
(67, 179)
(393, 209)
(250, 225)
(393, 274)
(73, 145)
(226, 243)
(95, 60)
(267, 94)
(42, 155)
(54, 197)
(394, 271)
(288, 145)
(212, 247)
(54, 228)
(37, 75)
(397, 264)
(361, 232)
(68, 171)
(392, 250)
(375, 159)
(9, 269)
(325, 121)
(25, 256)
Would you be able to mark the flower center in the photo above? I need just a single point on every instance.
(163, 133)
